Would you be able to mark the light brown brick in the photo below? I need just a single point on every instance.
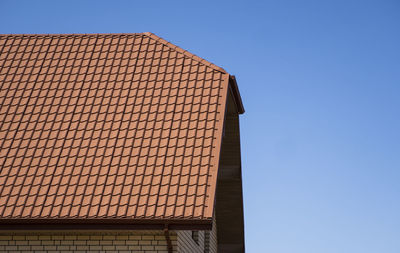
(162, 242)
(118, 242)
(47, 242)
(106, 242)
(63, 247)
(92, 242)
(24, 247)
(83, 237)
(96, 237)
(83, 247)
(44, 237)
(134, 247)
(18, 237)
(131, 242)
(110, 242)
(144, 242)
(21, 243)
(121, 247)
(34, 242)
(67, 242)
(135, 237)
(108, 247)
(10, 247)
(50, 247)
(79, 242)
(95, 247)
(36, 247)
(147, 247)
(160, 247)
(147, 237)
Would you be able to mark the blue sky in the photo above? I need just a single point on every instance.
(320, 81)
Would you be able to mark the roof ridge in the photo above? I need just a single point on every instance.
(66, 34)
(149, 34)
(185, 52)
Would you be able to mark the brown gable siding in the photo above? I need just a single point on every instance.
(229, 200)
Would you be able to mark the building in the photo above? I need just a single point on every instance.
(117, 143)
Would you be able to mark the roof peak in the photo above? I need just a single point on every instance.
(67, 34)
(185, 52)
(148, 34)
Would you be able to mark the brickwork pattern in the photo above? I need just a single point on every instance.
(110, 242)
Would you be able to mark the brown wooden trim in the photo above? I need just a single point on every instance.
(103, 224)
(236, 94)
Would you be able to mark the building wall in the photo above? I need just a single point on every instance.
(213, 248)
(229, 194)
(187, 244)
(207, 241)
(86, 242)
(107, 242)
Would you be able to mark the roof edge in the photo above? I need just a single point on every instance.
(149, 34)
(66, 34)
(217, 155)
(104, 224)
(236, 94)
(185, 52)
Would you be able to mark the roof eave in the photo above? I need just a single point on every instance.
(105, 224)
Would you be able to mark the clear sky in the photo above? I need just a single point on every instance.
(320, 81)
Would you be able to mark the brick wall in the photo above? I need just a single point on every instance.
(85, 242)
(107, 242)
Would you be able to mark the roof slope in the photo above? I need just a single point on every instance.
(107, 126)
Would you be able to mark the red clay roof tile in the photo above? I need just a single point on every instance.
(107, 126)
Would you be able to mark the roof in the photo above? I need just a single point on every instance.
(107, 127)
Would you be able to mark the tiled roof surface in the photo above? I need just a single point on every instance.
(98, 126)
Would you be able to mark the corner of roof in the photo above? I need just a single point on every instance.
(236, 94)
(185, 52)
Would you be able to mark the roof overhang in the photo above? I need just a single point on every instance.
(103, 224)
(236, 94)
